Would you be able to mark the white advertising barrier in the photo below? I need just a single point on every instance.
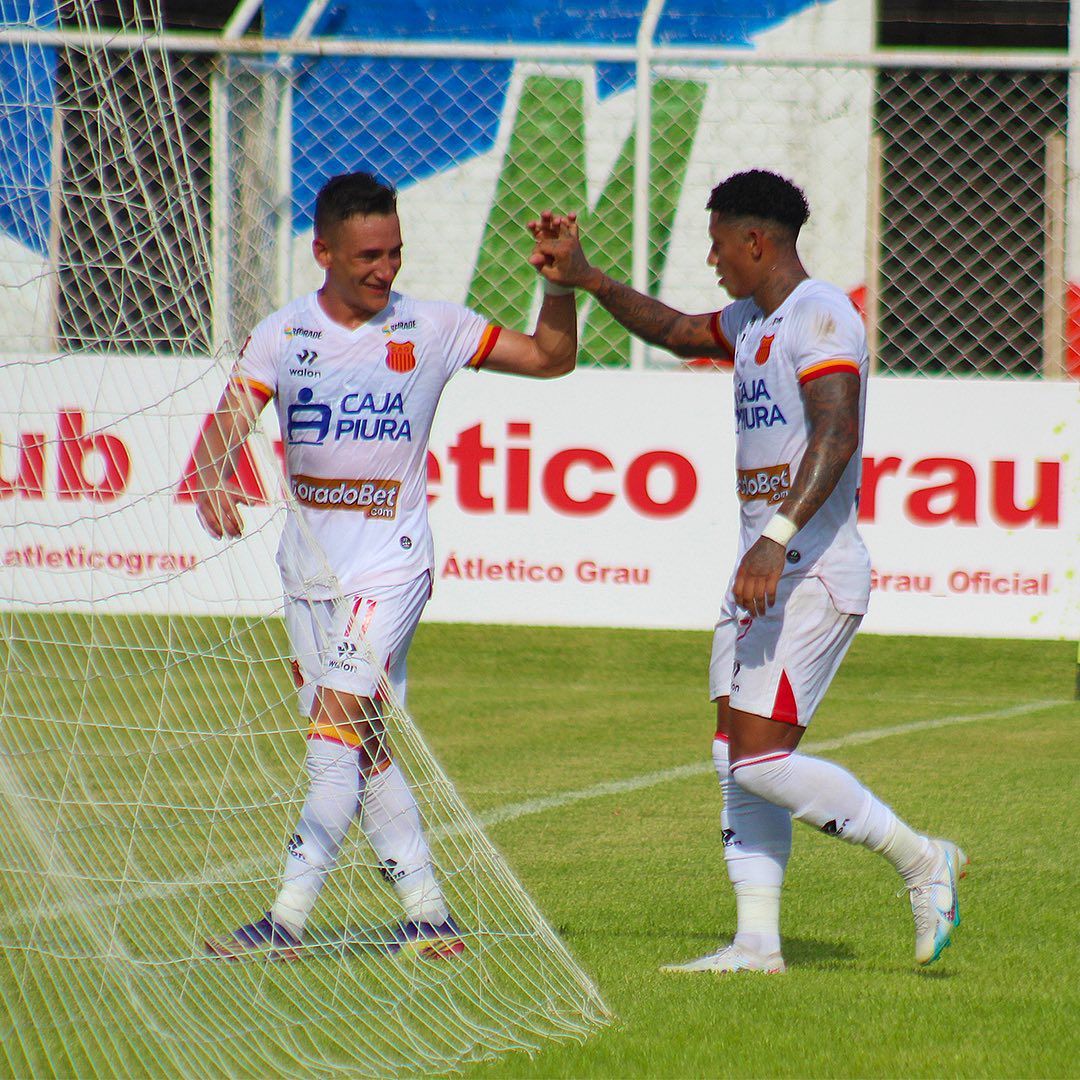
(93, 451)
(969, 503)
(605, 498)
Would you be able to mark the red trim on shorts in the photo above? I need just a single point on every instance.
(721, 736)
(760, 759)
(784, 707)
(377, 696)
(368, 616)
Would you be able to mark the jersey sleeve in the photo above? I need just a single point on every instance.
(256, 368)
(727, 324)
(828, 338)
(720, 334)
(467, 337)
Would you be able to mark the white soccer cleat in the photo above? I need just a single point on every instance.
(732, 958)
(935, 902)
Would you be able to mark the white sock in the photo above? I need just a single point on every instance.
(391, 822)
(831, 799)
(331, 804)
(912, 854)
(757, 842)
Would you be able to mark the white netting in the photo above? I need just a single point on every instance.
(151, 765)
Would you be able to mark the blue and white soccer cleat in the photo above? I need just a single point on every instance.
(262, 940)
(732, 958)
(429, 941)
(935, 902)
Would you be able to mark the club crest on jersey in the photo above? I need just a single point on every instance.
(763, 348)
(400, 356)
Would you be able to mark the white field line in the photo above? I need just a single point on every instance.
(513, 811)
(679, 772)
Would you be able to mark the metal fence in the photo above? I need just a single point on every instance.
(167, 202)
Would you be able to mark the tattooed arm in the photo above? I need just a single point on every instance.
(562, 261)
(832, 413)
(658, 324)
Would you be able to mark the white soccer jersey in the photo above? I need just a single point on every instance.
(355, 408)
(814, 332)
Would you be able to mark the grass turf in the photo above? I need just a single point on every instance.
(635, 878)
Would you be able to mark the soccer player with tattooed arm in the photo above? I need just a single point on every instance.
(356, 370)
(801, 582)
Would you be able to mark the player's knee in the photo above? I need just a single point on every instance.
(753, 736)
(762, 774)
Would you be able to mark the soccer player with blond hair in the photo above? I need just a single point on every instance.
(355, 370)
(802, 578)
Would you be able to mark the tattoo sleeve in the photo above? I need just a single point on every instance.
(658, 324)
(832, 413)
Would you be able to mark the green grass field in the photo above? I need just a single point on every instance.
(633, 877)
(636, 879)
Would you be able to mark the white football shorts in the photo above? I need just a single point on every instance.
(349, 644)
(780, 664)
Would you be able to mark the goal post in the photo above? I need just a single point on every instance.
(151, 753)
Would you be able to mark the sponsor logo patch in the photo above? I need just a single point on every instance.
(373, 498)
(771, 484)
(302, 332)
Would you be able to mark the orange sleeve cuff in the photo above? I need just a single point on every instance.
(257, 389)
(827, 367)
(487, 343)
(719, 336)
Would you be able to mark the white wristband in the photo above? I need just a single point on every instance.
(552, 288)
(781, 529)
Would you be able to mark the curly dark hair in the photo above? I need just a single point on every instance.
(761, 194)
(349, 194)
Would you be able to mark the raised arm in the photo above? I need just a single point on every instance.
(551, 349)
(215, 457)
(658, 324)
(832, 412)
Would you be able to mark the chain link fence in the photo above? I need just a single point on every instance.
(172, 220)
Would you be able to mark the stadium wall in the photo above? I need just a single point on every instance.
(591, 500)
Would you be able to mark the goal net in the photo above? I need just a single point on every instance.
(151, 754)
